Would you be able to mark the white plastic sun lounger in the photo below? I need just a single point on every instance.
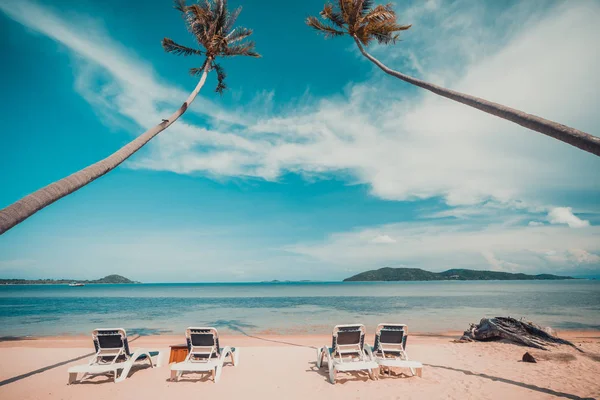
(390, 349)
(347, 352)
(204, 354)
(112, 355)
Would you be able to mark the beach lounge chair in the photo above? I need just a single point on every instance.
(390, 349)
(347, 352)
(204, 354)
(112, 355)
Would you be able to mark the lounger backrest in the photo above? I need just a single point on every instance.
(348, 339)
(111, 339)
(202, 342)
(391, 338)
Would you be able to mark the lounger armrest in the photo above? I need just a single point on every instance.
(323, 351)
(141, 352)
(224, 353)
(367, 349)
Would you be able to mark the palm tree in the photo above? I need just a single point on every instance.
(211, 23)
(365, 23)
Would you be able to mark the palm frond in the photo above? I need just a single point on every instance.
(199, 71)
(385, 26)
(221, 75)
(177, 49)
(346, 8)
(385, 31)
(197, 16)
(354, 13)
(385, 38)
(366, 6)
(180, 5)
(238, 34)
(336, 18)
(381, 13)
(221, 21)
(242, 49)
(231, 19)
(327, 30)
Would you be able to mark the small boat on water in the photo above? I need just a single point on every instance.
(76, 284)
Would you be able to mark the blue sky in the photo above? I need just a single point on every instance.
(314, 165)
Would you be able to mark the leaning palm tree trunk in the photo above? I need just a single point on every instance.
(30, 204)
(574, 137)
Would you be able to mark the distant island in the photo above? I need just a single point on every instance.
(106, 279)
(417, 274)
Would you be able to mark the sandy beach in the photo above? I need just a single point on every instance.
(273, 366)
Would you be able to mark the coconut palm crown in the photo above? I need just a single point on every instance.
(359, 19)
(211, 23)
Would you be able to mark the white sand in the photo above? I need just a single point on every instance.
(273, 369)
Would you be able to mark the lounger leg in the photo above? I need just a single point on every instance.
(371, 374)
(332, 373)
(159, 359)
(72, 377)
(235, 355)
(174, 376)
(319, 353)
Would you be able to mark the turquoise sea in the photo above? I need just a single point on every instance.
(290, 308)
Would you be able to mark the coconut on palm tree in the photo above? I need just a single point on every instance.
(365, 22)
(212, 25)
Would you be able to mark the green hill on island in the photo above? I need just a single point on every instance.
(106, 279)
(417, 274)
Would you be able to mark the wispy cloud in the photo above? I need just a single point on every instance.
(405, 145)
(410, 145)
(454, 243)
(498, 180)
(384, 239)
(111, 77)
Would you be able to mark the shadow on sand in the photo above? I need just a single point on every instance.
(237, 326)
(49, 367)
(511, 382)
(342, 377)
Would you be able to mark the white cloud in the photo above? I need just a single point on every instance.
(564, 215)
(404, 144)
(499, 265)
(583, 257)
(409, 146)
(116, 83)
(454, 243)
(382, 239)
